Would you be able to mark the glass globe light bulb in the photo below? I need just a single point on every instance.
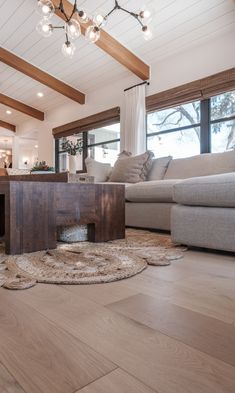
(147, 33)
(93, 33)
(72, 28)
(99, 19)
(68, 49)
(82, 16)
(44, 27)
(145, 14)
(45, 8)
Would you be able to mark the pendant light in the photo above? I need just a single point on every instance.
(78, 16)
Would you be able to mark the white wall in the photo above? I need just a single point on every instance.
(28, 155)
(212, 57)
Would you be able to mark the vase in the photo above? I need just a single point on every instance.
(72, 164)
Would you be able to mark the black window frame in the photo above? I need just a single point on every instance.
(205, 125)
(86, 147)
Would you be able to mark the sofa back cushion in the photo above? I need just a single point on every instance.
(159, 168)
(201, 165)
(99, 170)
(132, 169)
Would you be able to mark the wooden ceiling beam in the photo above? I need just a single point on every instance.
(21, 107)
(111, 46)
(43, 77)
(8, 126)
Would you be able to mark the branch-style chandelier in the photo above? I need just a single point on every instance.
(78, 16)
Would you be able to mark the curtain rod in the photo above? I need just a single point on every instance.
(139, 84)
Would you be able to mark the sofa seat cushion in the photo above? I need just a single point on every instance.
(151, 191)
(215, 190)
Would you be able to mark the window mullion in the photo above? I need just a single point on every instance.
(57, 169)
(205, 140)
(85, 149)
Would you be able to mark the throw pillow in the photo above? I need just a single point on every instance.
(99, 170)
(132, 169)
(159, 168)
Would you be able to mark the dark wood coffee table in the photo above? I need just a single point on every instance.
(32, 209)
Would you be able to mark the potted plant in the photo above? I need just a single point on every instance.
(72, 148)
(42, 167)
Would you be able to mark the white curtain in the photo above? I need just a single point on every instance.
(133, 120)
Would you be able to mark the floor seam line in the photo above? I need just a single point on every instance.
(95, 380)
(12, 375)
(156, 331)
(71, 334)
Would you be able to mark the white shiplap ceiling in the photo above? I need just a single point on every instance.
(177, 25)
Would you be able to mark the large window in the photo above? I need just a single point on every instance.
(187, 130)
(175, 131)
(102, 144)
(223, 122)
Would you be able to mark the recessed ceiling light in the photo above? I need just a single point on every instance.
(8, 112)
(40, 94)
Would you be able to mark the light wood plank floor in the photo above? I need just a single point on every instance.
(166, 330)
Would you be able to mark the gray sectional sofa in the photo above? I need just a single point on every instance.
(194, 199)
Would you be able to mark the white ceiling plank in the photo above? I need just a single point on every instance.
(177, 24)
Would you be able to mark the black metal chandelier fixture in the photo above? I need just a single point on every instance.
(78, 16)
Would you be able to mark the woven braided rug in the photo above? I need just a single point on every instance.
(89, 263)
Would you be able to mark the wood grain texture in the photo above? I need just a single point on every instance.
(101, 206)
(118, 381)
(209, 335)
(30, 221)
(8, 126)
(161, 362)
(20, 106)
(45, 177)
(103, 294)
(53, 204)
(154, 359)
(97, 120)
(112, 47)
(199, 262)
(206, 286)
(41, 76)
(8, 384)
(212, 296)
(41, 356)
(196, 90)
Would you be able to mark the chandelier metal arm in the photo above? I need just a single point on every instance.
(57, 27)
(61, 9)
(118, 7)
(136, 16)
(109, 13)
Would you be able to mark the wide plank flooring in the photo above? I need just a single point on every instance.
(166, 330)
(41, 356)
(209, 335)
(8, 384)
(117, 381)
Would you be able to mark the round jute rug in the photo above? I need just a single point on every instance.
(89, 263)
